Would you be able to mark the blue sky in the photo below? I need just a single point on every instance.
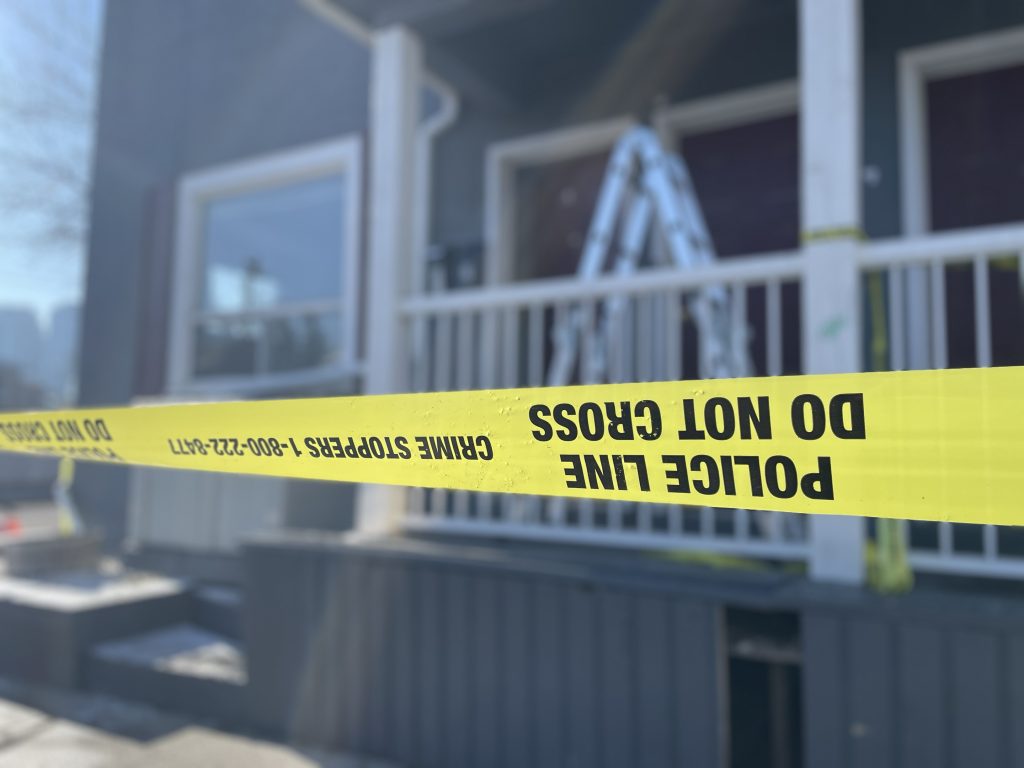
(43, 44)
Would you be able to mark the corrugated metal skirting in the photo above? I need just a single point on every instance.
(429, 663)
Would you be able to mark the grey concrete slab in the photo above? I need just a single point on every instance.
(66, 743)
(18, 722)
(196, 745)
(46, 727)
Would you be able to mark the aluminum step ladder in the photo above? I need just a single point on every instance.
(645, 191)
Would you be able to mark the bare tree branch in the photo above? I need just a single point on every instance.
(47, 108)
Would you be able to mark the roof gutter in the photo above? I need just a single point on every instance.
(426, 132)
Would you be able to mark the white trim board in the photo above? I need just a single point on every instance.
(916, 67)
(288, 166)
(726, 110)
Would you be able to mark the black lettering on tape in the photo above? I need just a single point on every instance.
(801, 428)
(574, 470)
(818, 485)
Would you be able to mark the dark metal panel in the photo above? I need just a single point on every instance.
(276, 630)
(869, 680)
(699, 684)
(402, 731)
(487, 680)
(551, 677)
(921, 701)
(617, 730)
(319, 668)
(458, 668)
(824, 691)
(354, 580)
(582, 690)
(518, 716)
(656, 710)
(379, 656)
(429, 694)
(977, 707)
(1015, 698)
(336, 621)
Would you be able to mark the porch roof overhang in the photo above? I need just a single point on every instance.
(530, 52)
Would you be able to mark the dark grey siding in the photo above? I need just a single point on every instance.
(441, 659)
(185, 85)
(940, 687)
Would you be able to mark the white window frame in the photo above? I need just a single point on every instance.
(195, 191)
(916, 67)
(506, 157)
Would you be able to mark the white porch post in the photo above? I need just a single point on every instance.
(395, 77)
(830, 210)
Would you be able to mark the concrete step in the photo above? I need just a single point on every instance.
(181, 668)
(49, 624)
(218, 609)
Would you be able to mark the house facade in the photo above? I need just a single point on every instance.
(307, 197)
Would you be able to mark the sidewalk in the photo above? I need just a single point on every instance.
(48, 727)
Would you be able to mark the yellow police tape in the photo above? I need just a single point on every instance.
(928, 445)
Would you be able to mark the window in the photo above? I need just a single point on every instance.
(960, 122)
(267, 271)
(963, 166)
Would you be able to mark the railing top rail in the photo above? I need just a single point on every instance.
(920, 249)
(786, 265)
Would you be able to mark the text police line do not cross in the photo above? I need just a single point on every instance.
(700, 473)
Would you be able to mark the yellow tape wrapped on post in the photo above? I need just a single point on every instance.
(926, 445)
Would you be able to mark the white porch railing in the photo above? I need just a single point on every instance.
(502, 337)
(920, 328)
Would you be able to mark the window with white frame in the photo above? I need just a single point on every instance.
(267, 262)
(960, 121)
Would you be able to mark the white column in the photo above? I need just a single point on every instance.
(830, 212)
(395, 77)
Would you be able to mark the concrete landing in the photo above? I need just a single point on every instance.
(50, 623)
(182, 649)
(42, 727)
